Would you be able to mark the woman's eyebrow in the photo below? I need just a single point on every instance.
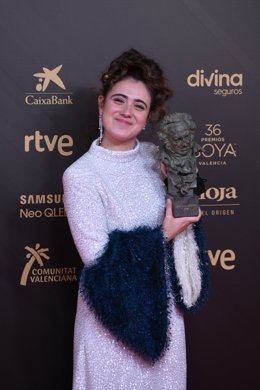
(124, 96)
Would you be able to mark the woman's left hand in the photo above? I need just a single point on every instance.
(173, 226)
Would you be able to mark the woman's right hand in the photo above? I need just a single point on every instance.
(172, 226)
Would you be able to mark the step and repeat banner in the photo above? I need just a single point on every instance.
(52, 54)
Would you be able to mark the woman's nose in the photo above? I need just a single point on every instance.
(126, 110)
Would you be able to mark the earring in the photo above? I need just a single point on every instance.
(144, 128)
(100, 127)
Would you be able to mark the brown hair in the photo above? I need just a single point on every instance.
(133, 64)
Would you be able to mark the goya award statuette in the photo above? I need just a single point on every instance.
(178, 153)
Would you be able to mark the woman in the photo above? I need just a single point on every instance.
(128, 332)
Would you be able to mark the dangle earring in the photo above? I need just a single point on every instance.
(100, 127)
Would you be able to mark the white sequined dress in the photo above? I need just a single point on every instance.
(106, 190)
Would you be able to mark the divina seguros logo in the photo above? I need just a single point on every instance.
(46, 78)
(35, 270)
(224, 84)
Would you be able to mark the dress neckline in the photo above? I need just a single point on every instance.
(116, 155)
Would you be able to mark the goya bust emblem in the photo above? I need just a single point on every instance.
(178, 153)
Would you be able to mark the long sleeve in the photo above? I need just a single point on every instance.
(86, 214)
(188, 263)
(126, 289)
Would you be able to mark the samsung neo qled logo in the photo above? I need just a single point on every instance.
(41, 205)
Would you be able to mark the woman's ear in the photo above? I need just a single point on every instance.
(152, 117)
(101, 100)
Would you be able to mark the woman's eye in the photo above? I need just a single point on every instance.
(118, 100)
(139, 106)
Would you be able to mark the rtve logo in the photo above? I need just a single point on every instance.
(41, 143)
(225, 258)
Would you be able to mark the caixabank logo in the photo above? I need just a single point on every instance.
(216, 150)
(44, 95)
(217, 82)
(37, 206)
(220, 201)
(37, 269)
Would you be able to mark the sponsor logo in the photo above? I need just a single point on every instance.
(199, 79)
(224, 258)
(44, 143)
(219, 201)
(46, 78)
(41, 205)
(216, 150)
(36, 271)
(50, 101)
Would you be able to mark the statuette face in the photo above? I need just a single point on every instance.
(180, 141)
(178, 153)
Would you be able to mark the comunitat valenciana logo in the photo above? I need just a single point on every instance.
(36, 269)
(216, 149)
(43, 94)
(36, 206)
(222, 84)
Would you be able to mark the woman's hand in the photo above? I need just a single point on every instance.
(163, 169)
(173, 226)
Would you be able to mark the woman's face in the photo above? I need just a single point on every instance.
(124, 112)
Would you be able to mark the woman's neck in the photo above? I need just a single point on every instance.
(118, 145)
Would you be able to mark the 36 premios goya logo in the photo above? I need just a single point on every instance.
(47, 79)
(221, 84)
(216, 150)
(37, 269)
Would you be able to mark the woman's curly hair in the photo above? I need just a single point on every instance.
(133, 64)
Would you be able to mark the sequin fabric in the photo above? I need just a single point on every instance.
(106, 190)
